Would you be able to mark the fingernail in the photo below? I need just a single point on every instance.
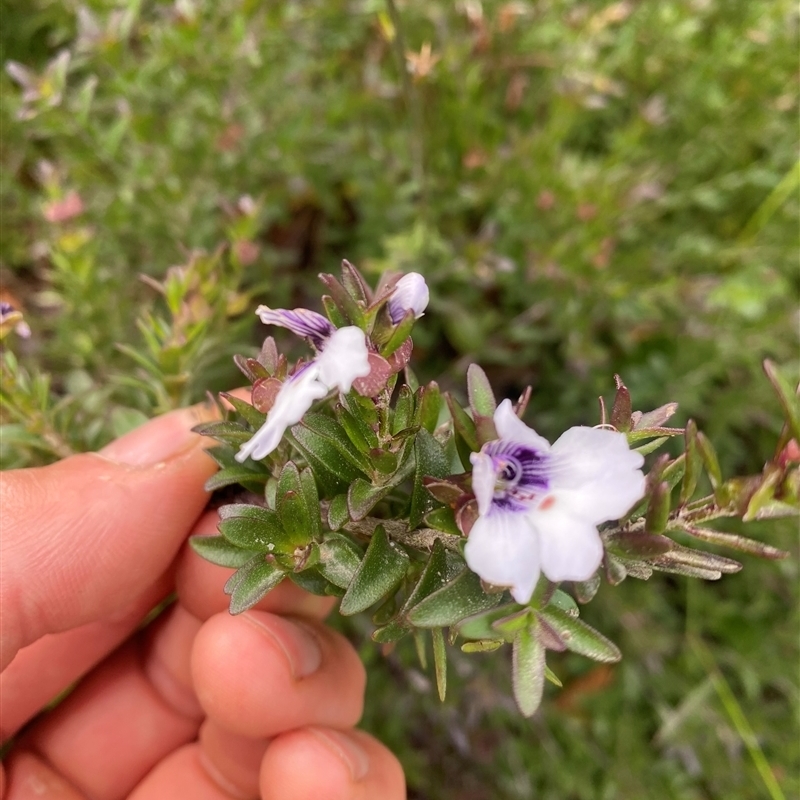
(158, 440)
(297, 641)
(349, 752)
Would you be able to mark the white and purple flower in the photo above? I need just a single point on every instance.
(539, 505)
(410, 294)
(342, 357)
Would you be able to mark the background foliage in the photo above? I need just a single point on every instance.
(588, 188)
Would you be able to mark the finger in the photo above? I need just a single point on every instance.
(182, 774)
(348, 765)
(126, 716)
(233, 761)
(84, 537)
(259, 674)
(199, 584)
(42, 670)
(30, 778)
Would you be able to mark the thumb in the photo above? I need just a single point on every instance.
(85, 537)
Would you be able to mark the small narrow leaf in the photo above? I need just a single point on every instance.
(429, 404)
(363, 496)
(251, 416)
(787, 396)
(741, 543)
(629, 544)
(621, 410)
(339, 559)
(383, 567)
(229, 432)
(261, 534)
(433, 577)
(658, 509)
(479, 390)
(392, 632)
(260, 578)
(580, 637)
(233, 475)
(552, 677)
(431, 462)
(359, 433)
(710, 460)
(586, 590)
(334, 433)
(460, 598)
(338, 513)
(332, 470)
(655, 418)
(528, 670)
(442, 519)
(692, 464)
(354, 283)
(218, 550)
(403, 410)
(482, 646)
(311, 499)
(440, 661)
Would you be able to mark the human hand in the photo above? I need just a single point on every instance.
(198, 704)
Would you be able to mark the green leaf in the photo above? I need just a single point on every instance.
(344, 302)
(311, 581)
(580, 637)
(251, 415)
(692, 464)
(552, 677)
(460, 598)
(338, 513)
(383, 567)
(311, 499)
(629, 544)
(363, 496)
(440, 661)
(479, 390)
(482, 646)
(658, 509)
(403, 410)
(621, 410)
(249, 585)
(433, 577)
(399, 335)
(232, 433)
(430, 461)
(334, 433)
(560, 599)
(429, 405)
(463, 424)
(332, 470)
(586, 590)
(339, 560)
(252, 527)
(233, 475)
(442, 519)
(392, 632)
(528, 670)
(482, 626)
(787, 396)
(218, 550)
(291, 505)
(710, 461)
(359, 433)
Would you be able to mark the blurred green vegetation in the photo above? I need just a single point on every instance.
(588, 187)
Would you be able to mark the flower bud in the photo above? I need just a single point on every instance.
(410, 294)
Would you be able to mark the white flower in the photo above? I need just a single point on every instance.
(342, 356)
(410, 294)
(539, 505)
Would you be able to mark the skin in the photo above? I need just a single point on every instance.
(197, 704)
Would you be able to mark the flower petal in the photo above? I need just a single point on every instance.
(595, 474)
(344, 358)
(484, 477)
(300, 321)
(295, 397)
(510, 426)
(570, 548)
(502, 548)
(410, 294)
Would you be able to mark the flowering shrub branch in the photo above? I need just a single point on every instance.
(347, 477)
